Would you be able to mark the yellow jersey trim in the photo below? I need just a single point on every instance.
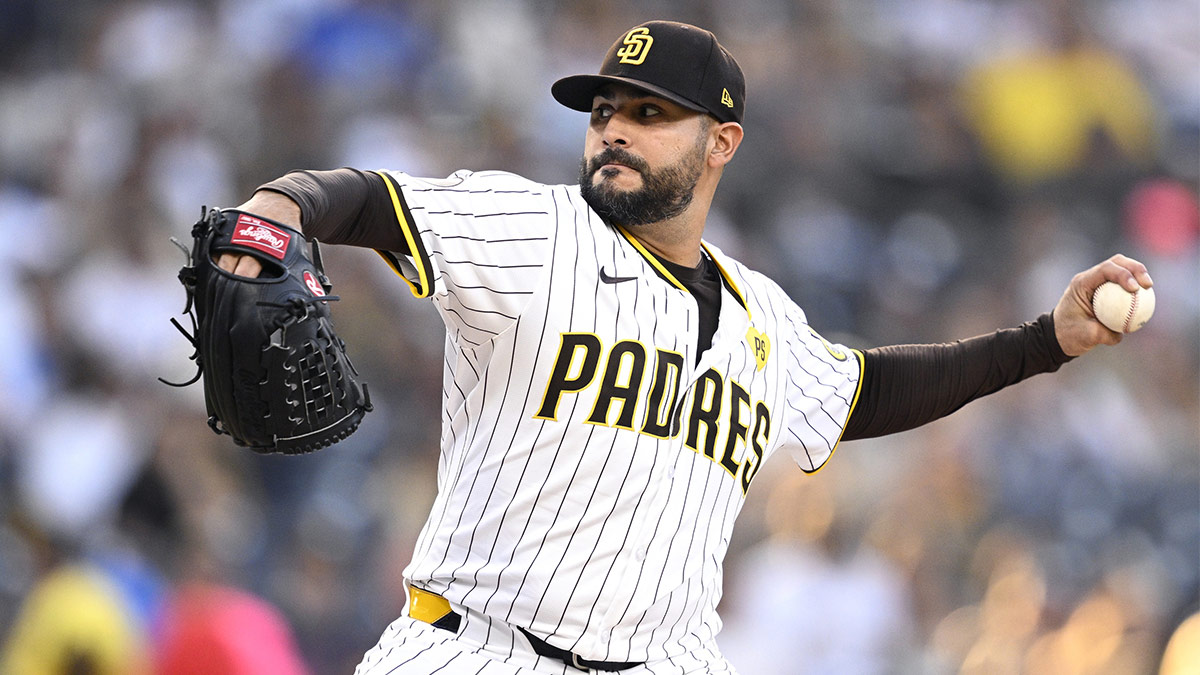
(423, 287)
(733, 288)
(658, 267)
(853, 403)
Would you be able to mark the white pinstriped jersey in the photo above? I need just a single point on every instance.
(591, 469)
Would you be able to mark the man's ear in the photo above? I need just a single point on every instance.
(727, 136)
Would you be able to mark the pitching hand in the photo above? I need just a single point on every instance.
(266, 204)
(1075, 323)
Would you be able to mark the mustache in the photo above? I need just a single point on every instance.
(616, 155)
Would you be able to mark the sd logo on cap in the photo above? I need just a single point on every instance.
(677, 61)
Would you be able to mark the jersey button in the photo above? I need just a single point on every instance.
(640, 554)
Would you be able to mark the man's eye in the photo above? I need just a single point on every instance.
(601, 112)
(650, 111)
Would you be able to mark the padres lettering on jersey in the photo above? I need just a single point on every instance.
(592, 468)
(722, 419)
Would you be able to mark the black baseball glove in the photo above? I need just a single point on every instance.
(276, 375)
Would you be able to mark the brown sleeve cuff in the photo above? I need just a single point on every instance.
(343, 206)
(1045, 323)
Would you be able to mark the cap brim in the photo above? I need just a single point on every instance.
(577, 92)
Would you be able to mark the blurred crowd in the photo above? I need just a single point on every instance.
(913, 171)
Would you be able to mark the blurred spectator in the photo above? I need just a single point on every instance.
(1162, 217)
(1068, 104)
(74, 621)
(827, 606)
(213, 629)
(76, 464)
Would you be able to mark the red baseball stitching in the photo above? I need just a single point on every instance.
(1133, 303)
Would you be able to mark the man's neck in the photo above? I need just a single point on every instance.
(676, 239)
(688, 256)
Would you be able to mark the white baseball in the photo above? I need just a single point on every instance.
(1120, 310)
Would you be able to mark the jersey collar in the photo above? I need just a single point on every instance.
(666, 275)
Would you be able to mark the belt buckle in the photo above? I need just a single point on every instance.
(575, 662)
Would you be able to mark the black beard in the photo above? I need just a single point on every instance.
(664, 193)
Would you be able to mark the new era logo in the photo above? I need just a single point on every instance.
(726, 99)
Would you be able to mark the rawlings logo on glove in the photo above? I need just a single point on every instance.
(258, 235)
(276, 376)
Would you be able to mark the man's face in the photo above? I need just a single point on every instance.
(643, 157)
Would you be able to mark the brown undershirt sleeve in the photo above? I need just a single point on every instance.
(906, 386)
(343, 206)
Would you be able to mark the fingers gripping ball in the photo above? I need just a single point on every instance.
(276, 375)
(1121, 311)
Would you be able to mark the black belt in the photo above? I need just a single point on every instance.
(548, 650)
(434, 610)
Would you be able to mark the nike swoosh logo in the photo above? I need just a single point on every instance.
(613, 280)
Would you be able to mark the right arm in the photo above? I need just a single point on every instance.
(476, 243)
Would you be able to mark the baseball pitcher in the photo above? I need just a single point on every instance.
(613, 382)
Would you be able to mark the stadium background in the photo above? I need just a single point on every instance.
(913, 171)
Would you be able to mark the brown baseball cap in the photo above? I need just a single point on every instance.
(677, 61)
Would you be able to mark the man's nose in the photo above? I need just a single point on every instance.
(616, 132)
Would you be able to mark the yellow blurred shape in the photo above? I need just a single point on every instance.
(989, 656)
(1038, 114)
(1093, 633)
(799, 509)
(1182, 656)
(956, 632)
(1097, 639)
(74, 618)
(1013, 602)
